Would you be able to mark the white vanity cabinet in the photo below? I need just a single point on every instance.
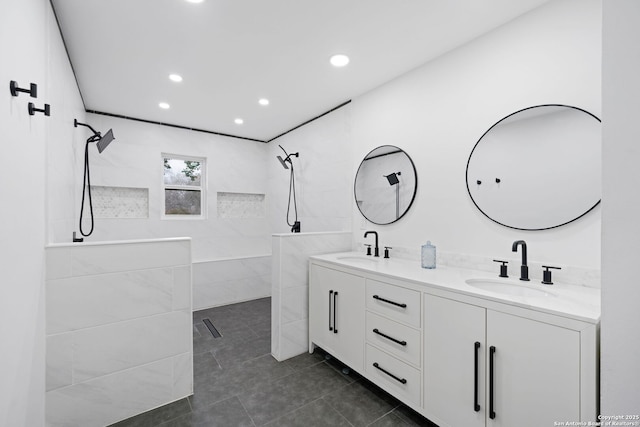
(484, 367)
(458, 355)
(336, 314)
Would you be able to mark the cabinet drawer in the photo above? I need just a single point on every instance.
(398, 303)
(392, 375)
(399, 340)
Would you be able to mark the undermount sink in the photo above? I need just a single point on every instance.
(508, 288)
(358, 258)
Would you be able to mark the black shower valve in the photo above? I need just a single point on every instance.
(32, 91)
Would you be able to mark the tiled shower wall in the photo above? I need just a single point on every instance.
(290, 287)
(229, 281)
(118, 329)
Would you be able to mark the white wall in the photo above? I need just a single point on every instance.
(116, 346)
(32, 51)
(620, 345)
(324, 178)
(134, 159)
(437, 112)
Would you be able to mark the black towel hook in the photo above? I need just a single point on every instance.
(32, 91)
(46, 110)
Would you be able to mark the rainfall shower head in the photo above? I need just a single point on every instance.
(393, 178)
(102, 141)
(282, 162)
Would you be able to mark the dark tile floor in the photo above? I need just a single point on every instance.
(238, 383)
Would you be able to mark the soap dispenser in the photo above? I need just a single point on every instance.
(428, 255)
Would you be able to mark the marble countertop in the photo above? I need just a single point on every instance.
(575, 302)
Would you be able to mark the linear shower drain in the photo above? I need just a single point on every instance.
(211, 328)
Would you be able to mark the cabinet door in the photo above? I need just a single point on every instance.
(535, 370)
(453, 362)
(336, 314)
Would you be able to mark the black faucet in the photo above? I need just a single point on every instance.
(376, 250)
(524, 269)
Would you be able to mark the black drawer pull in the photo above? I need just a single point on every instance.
(376, 331)
(390, 302)
(401, 380)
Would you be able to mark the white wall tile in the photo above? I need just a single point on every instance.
(182, 288)
(127, 351)
(294, 339)
(295, 304)
(108, 399)
(275, 322)
(111, 348)
(229, 281)
(59, 361)
(182, 376)
(58, 263)
(81, 302)
(98, 259)
(213, 294)
(290, 287)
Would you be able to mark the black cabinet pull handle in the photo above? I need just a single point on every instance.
(376, 331)
(400, 380)
(390, 302)
(476, 405)
(492, 413)
(330, 295)
(335, 308)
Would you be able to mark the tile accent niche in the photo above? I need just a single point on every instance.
(120, 202)
(241, 205)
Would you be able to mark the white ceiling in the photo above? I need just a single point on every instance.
(233, 52)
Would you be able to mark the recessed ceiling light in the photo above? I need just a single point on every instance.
(164, 105)
(175, 77)
(339, 60)
(239, 121)
(195, 1)
(263, 101)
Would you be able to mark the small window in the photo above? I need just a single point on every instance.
(183, 182)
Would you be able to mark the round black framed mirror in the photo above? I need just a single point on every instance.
(385, 184)
(537, 168)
